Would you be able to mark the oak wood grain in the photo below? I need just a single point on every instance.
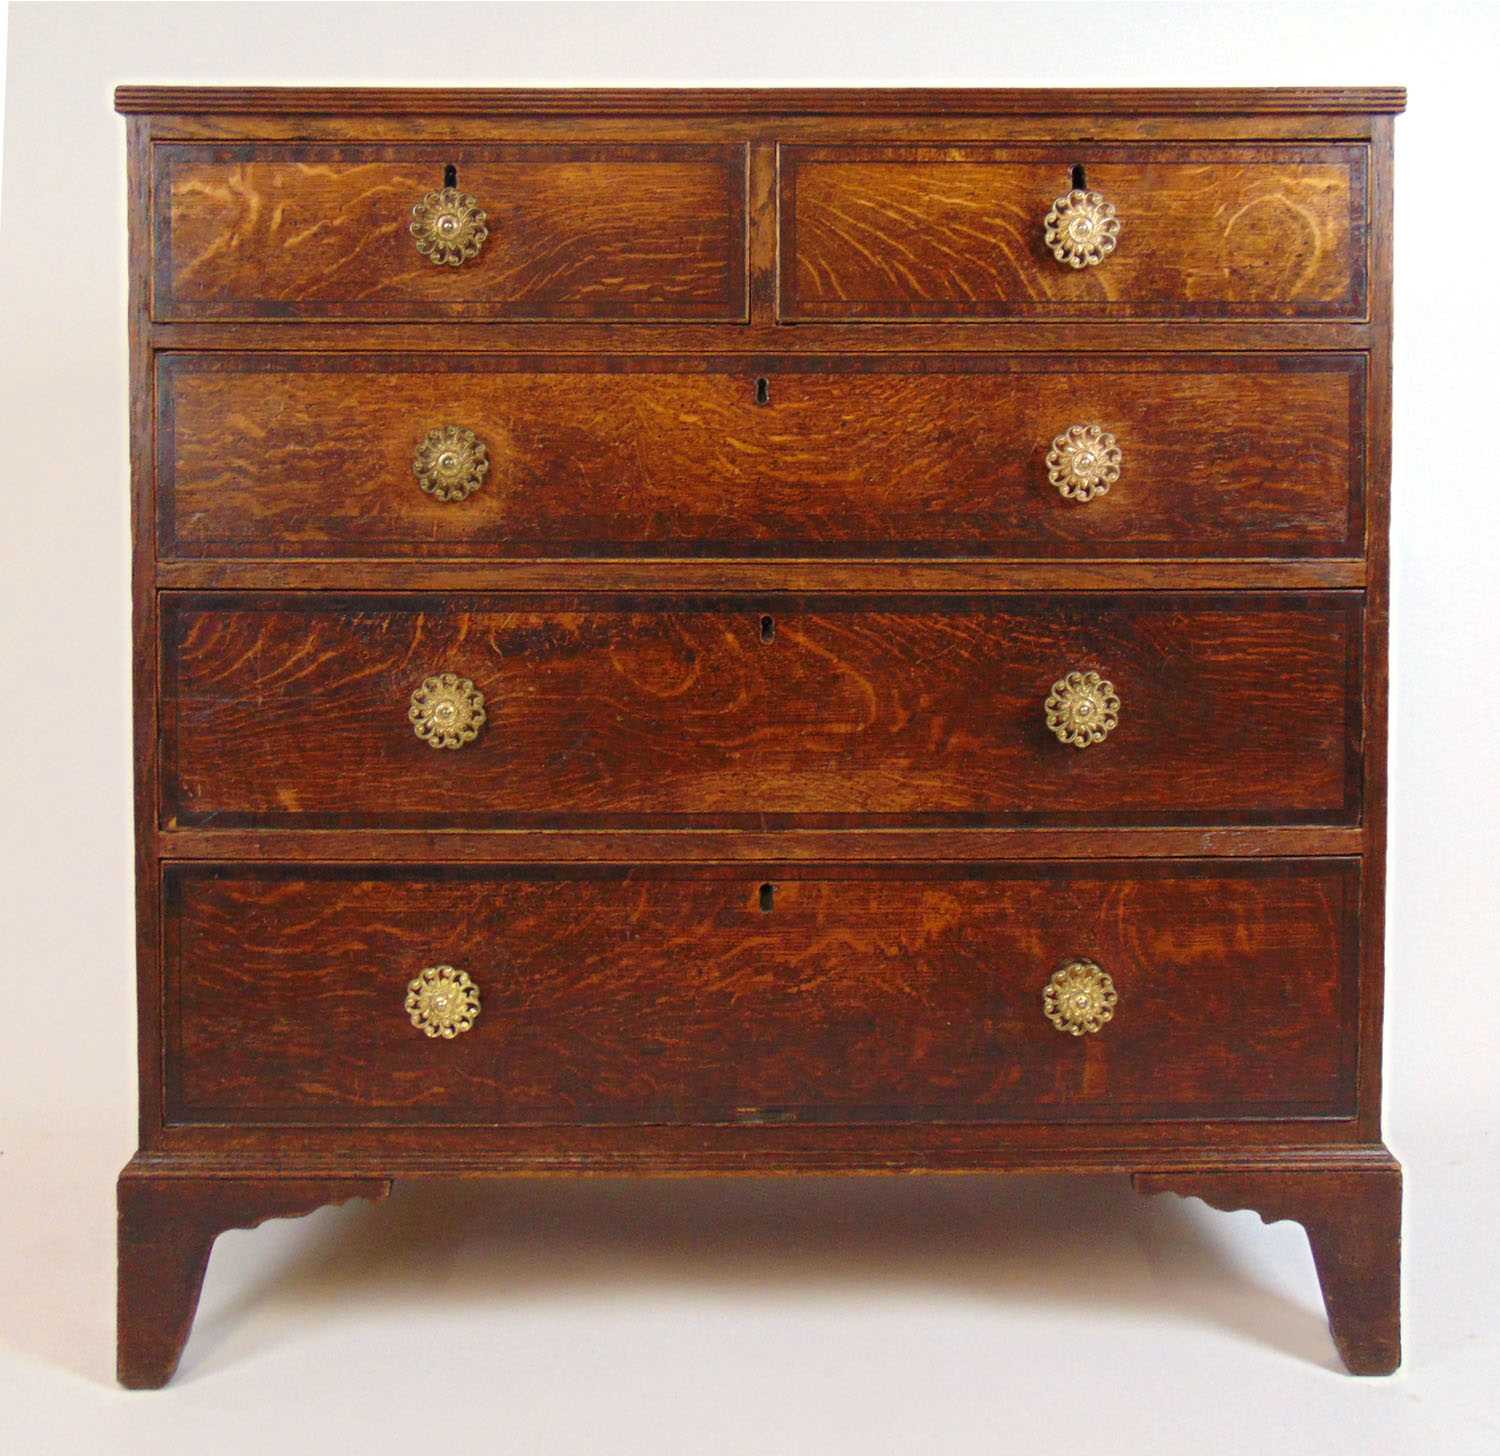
(413, 104)
(767, 576)
(575, 232)
(480, 1150)
(956, 232)
(722, 846)
(820, 712)
(764, 337)
(270, 455)
(720, 262)
(829, 995)
(167, 1228)
(1352, 1217)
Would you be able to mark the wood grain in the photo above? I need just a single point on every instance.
(654, 242)
(311, 231)
(331, 104)
(633, 712)
(266, 455)
(769, 576)
(167, 1228)
(722, 846)
(1353, 1221)
(956, 232)
(859, 995)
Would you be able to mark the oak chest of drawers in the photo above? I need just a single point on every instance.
(759, 632)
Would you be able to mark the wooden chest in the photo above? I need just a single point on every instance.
(759, 632)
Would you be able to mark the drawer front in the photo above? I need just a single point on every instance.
(574, 232)
(892, 232)
(717, 995)
(317, 456)
(611, 711)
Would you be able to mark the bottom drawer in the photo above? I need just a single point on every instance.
(714, 994)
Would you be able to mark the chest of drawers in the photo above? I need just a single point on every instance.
(759, 632)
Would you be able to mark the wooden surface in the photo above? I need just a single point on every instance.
(267, 455)
(1353, 1223)
(831, 996)
(575, 232)
(167, 1228)
(721, 102)
(635, 712)
(654, 248)
(955, 232)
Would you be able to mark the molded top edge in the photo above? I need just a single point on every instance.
(819, 101)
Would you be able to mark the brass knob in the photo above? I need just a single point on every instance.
(447, 711)
(448, 226)
(451, 463)
(442, 1001)
(1079, 997)
(1082, 708)
(1081, 229)
(1084, 461)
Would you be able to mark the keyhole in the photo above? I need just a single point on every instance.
(767, 628)
(762, 390)
(450, 175)
(767, 898)
(1080, 179)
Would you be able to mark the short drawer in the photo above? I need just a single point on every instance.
(337, 455)
(594, 995)
(834, 711)
(1207, 232)
(608, 231)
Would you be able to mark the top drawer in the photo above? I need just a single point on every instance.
(574, 232)
(1206, 232)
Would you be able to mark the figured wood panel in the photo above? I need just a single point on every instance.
(889, 232)
(637, 712)
(575, 232)
(311, 456)
(654, 995)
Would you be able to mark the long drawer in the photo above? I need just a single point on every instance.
(322, 710)
(318, 455)
(1054, 991)
(1237, 231)
(571, 231)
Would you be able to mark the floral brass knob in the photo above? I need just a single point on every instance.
(1082, 708)
(1084, 461)
(442, 1001)
(1081, 229)
(448, 226)
(447, 711)
(1079, 997)
(451, 463)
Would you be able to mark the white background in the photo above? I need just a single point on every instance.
(758, 1317)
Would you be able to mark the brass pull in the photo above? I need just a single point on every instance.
(1081, 229)
(1079, 997)
(1084, 461)
(447, 711)
(451, 463)
(448, 226)
(442, 1001)
(1082, 708)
